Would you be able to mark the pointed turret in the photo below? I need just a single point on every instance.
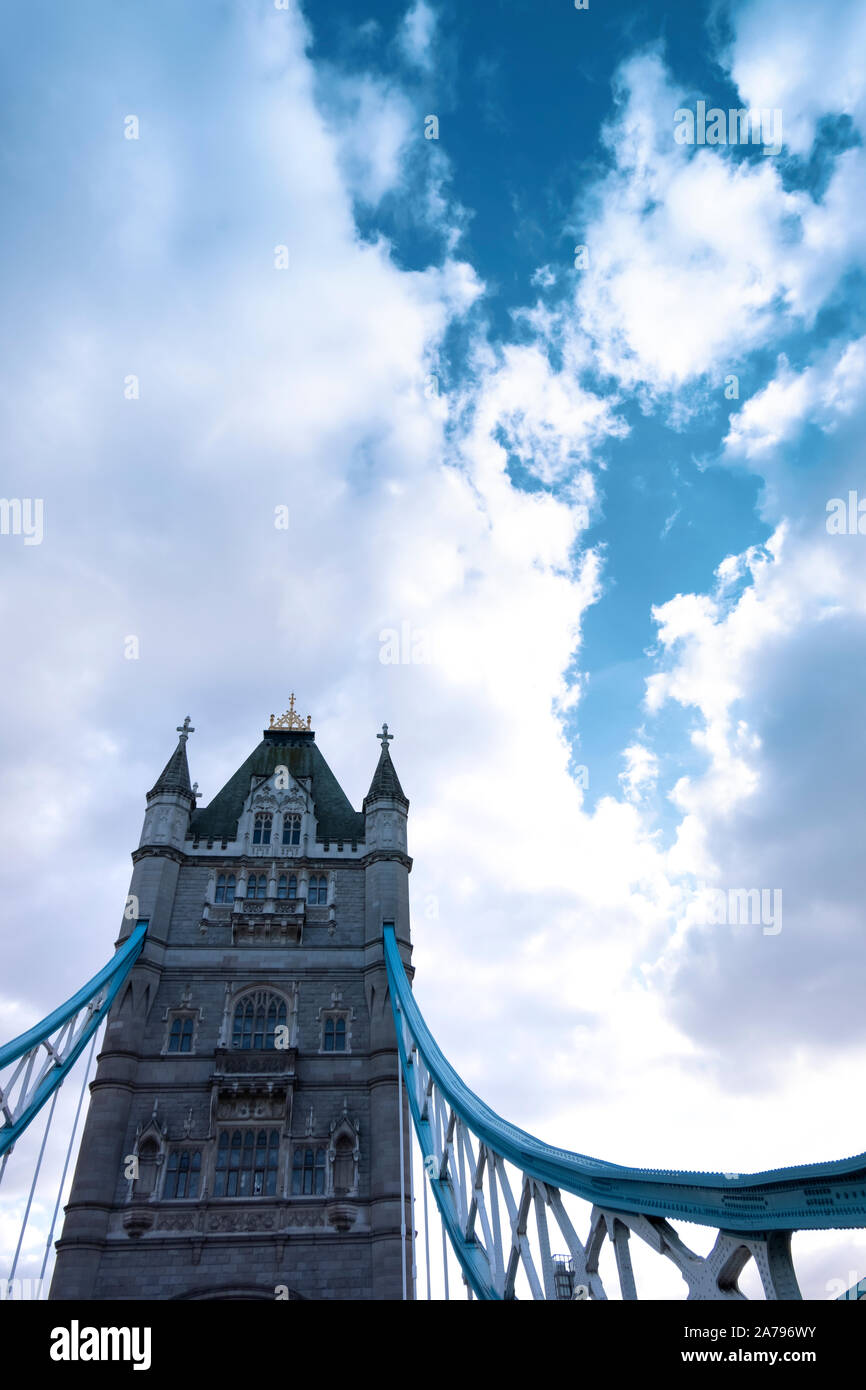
(386, 805)
(175, 775)
(386, 890)
(385, 785)
(171, 800)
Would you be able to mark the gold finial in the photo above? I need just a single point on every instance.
(290, 720)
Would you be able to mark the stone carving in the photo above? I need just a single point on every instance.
(341, 1215)
(136, 1222)
(268, 931)
(251, 1109)
(242, 1221)
(177, 1221)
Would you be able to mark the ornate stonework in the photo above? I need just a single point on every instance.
(242, 1221)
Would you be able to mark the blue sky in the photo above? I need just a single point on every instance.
(617, 565)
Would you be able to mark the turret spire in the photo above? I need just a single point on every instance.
(175, 775)
(385, 783)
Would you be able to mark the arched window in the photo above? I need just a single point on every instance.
(225, 889)
(291, 830)
(335, 1034)
(318, 890)
(257, 886)
(293, 886)
(147, 1156)
(256, 1020)
(247, 1162)
(182, 1173)
(180, 1037)
(344, 1165)
(262, 828)
(308, 1172)
(287, 887)
(281, 886)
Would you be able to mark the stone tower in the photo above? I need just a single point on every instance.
(242, 1139)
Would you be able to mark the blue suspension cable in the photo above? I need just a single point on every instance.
(33, 1186)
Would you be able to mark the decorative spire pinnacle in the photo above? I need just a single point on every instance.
(290, 720)
(175, 775)
(385, 783)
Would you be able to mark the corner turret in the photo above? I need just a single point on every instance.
(171, 800)
(386, 806)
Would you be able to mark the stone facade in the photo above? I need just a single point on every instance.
(242, 1139)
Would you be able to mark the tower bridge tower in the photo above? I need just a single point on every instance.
(243, 1139)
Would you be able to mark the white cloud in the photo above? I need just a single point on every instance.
(674, 291)
(809, 69)
(820, 394)
(417, 35)
(641, 771)
(550, 422)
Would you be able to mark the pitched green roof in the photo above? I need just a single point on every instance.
(297, 751)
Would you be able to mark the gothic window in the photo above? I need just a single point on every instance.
(335, 1033)
(247, 1162)
(180, 1035)
(308, 1172)
(182, 1173)
(287, 887)
(291, 830)
(225, 889)
(344, 1165)
(318, 890)
(257, 885)
(262, 828)
(256, 1020)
